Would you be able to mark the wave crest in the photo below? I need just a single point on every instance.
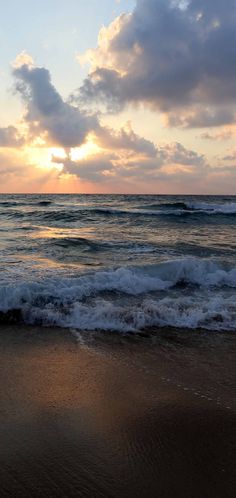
(87, 302)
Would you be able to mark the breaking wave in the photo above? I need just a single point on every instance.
(227, 208)
(188, 293)
(190, 208)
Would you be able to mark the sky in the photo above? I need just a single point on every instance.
(118, 96)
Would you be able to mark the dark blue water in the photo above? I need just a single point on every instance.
(123, 263)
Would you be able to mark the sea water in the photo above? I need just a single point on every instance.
(118, 262)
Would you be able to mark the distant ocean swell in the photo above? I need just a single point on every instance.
(176, 208)
(52, 212)
(213, 208)
(189, 292)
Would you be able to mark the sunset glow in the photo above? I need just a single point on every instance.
(85, 151)
(113, 113)
(118, 248)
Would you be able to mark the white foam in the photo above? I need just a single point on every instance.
(213, 314)
(79, 303)
(210, 208)
(129, 280)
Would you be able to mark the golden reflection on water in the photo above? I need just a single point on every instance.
(60, 233)
(49, 264)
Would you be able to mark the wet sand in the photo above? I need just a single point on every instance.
(113, 417)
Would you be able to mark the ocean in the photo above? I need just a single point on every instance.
(125, 263)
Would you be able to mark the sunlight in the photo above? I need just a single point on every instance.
(41, 157)
(86, 150)
(58, 152)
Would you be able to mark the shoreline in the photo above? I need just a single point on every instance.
(115, 416)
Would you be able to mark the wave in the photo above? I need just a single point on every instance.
(73, 242)
(201, 207)
(127, 212)
(163, 205)
(26, 203)
(213, 313)
(210, 208)
(43, 203)
(35, 215)
(104, 245)
(62, 215)
(130, 298)
(170, 209)
(8, 203)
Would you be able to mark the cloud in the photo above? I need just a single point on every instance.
(47, 112)
(177, 153)
(125, 139)
(172, 56)
(23, 58)
(94, 169)
(200, 117)
(118, 161)
(231, 156)
(225, 134)
(173, 170)
(64, 124)
(10, 137)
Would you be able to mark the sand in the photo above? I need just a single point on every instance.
(113, 417)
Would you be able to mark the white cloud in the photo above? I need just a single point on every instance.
(23, 59)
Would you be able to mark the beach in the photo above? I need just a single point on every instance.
(118, 249)
(114, 416)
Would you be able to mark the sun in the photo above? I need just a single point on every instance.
(80, 153)
(42, 156)
(53, 157)
(57, 152)
(75, 154)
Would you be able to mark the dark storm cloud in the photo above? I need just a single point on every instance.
(47, 112)
(10, 137)
(172, 56)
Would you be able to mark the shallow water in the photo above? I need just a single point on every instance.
(117, 262)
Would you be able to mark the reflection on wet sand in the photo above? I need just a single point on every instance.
(107, 419)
